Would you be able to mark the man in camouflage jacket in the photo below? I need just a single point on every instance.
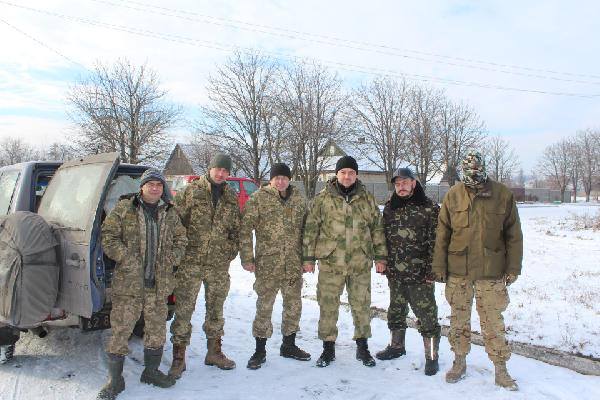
(276, 214)
(344, 232)
(145, 237)
(478, 253)
(410, 220)
(209, 209)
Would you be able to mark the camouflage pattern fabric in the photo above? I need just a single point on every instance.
(267, 289)
(278, 226)
(421, 298)
(125, 312)
(329, 289)
(410, 237)
(213, 234)
(345, 236)
(124, 241)
(473, 167)
(492, 299)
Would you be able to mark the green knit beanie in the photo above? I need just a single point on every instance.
(220, 160)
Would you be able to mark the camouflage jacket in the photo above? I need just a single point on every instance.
(278, 228)
(479, 234)
(410, 235)
(124, 240)
(345, 235)
(213, 233)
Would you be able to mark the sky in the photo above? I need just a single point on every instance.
(530, 69)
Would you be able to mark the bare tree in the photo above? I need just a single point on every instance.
(460, 130)
(59, 152)
(312, 105)
(423, 144)
(14, 150)
(381, 112)
(239, 112)
(554, 164)
(501, 159)
(588, 158)
(200, 150)
(574, 165)
(122, 108)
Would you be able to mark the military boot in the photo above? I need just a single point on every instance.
(215, 356)
(396, 347)
(151, 374)
(362, 353)
(503, 379)
(458, 370)
(116, 383)
(289, 349)
(260, 354)
(432, 346)
(178, 365)
(328, 354)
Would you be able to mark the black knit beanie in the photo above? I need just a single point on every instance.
(346, 162)
(280, 169)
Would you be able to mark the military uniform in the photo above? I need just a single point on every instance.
(213, 242)
(410, 235)
(478, 250)
(278, 225)
(124, 240)
(345, 233)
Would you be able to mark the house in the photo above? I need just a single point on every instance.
(333, 151)
(180, 162)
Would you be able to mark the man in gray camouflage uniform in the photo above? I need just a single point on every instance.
(144, 235)
(344, 232)
(276, 215)
(410, 220)
(209, 210)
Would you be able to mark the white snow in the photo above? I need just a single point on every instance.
(555, 303)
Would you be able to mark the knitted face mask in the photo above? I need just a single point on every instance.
(473, 166)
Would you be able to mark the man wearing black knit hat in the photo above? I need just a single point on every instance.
(344, 232)
(276, 215)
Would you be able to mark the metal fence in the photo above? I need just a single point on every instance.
(437, 192)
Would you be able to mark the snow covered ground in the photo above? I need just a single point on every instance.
(555, 303)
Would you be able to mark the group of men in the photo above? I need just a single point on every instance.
(473, 243)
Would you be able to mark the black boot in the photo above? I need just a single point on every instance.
(151, 374)
(432, 346)
(396, 347)
(289, 349)
(260, 354)
(328, 354)
(116, 383)
(362, 353)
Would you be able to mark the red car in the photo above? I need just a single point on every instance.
(244, 187)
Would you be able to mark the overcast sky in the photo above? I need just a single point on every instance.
(499, 54)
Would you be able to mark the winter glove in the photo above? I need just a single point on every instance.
(439, 277)
(509, 279)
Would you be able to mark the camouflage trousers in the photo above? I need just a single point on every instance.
(126, 310)
(329, 289)
(189, 279)
(266, 289)
(492, 299)
(421, 299)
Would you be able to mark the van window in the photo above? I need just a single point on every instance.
(8, 182)
(250, 187)
(235, 185)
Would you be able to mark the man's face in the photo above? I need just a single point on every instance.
(404, 186)
(280, 183)
(346, 176)
(218, 175)
(152, 191)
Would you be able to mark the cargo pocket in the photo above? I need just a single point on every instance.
(493, 263)
(457, 260)
(494, 218)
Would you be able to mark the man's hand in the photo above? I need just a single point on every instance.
(380, 267)
(509, 279)
(308, 268)
(249, 267)
(439, 277)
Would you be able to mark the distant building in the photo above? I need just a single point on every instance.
(179, 162)
(332, 152)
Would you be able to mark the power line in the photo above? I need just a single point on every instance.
(339, 65)
(41, 43)
(352, 44)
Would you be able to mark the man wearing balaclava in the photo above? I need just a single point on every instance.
(478, 253)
